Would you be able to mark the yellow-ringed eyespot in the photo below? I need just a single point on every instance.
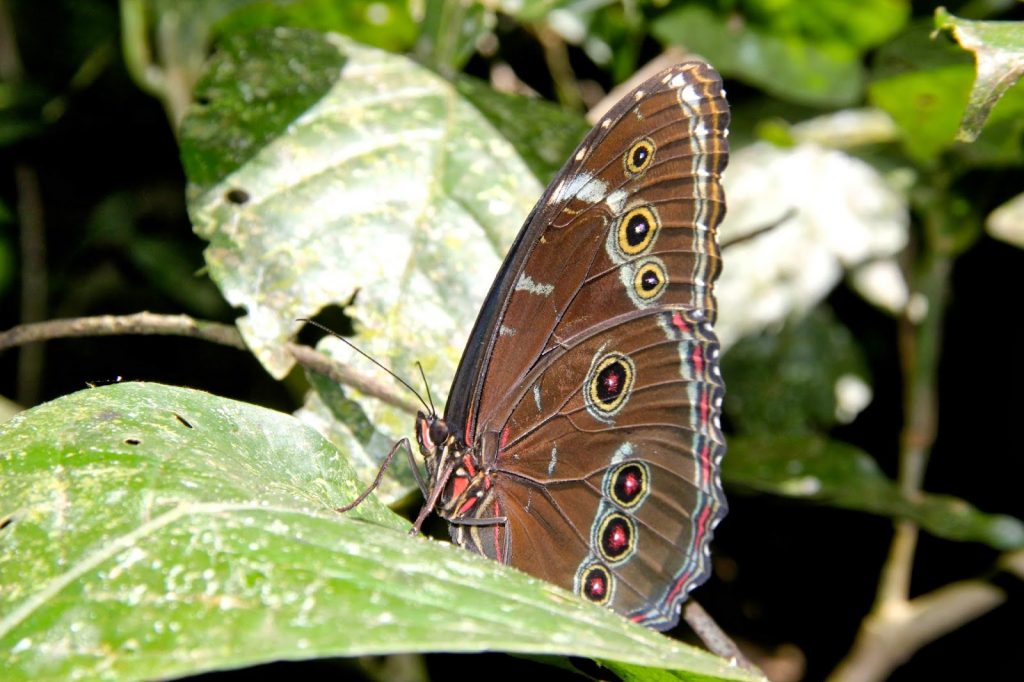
(627, 484)
(650, 279)
(616, 537)
(594, 583)
(637, 229)
(639, 156)
(610, 383)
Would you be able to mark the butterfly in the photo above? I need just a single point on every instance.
(581, 440)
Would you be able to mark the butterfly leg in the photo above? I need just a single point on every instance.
(435, 493)
(380, 475)
(416, 472)
(489, 521)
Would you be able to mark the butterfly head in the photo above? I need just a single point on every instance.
(431, 431)
(433, 438)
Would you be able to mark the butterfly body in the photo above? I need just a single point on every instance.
(580, 441)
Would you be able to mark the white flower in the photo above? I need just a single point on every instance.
(836, 212)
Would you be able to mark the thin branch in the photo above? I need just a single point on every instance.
(920, 341)
(117, 325)
(137, 51)
(182, 325)
(897, 627)
(889, 637)
(714, 638)
(789, 214)
(556, 55)
(31, 231)
(34, 278)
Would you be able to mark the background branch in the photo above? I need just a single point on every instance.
(897, 627)
(146, 323)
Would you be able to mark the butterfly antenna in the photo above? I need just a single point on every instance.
(365, 355)
(426, 385)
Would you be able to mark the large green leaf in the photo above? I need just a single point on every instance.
(344, 169)
(369, 173)
(150, 532)
(925, 85)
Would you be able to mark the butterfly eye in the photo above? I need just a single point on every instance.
(438, 432)
(639, 156)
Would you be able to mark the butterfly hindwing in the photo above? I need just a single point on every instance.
(611, 456)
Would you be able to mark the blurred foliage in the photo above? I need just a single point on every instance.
(807, 359)
(113, 107)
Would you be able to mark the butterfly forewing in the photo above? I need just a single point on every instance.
(587, 401)
(609, 235)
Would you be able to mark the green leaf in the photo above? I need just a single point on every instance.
(543, 134)
(924, 85)
(998, 48)
(320, 168)
(244, 101)
(387, 24)
(390, 183)
(808, 52)
(151, 532)
(786, 382)
(449, 32)
(814, 468)
(532, 10)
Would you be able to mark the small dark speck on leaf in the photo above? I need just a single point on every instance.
(237, 196)
(183, 420)
(6, 521)
(132, 441)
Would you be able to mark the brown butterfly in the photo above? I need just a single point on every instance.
(581, 439)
